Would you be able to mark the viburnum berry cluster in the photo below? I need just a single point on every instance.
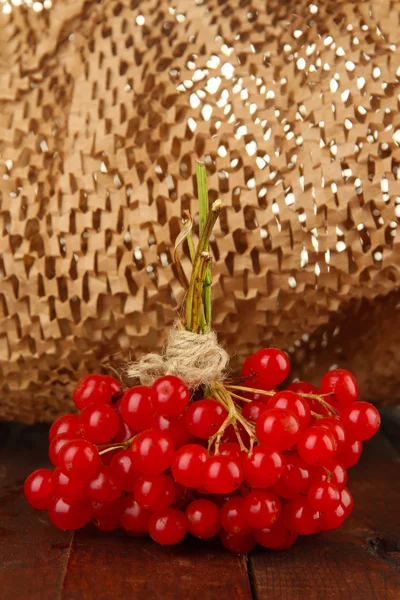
(194, 451)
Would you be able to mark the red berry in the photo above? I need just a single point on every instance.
(188, 465)
(38, 488)
(263, 468)
(110, 509)
(324, 497)
(203, 519)
(273, 537)
(343, 386)
(334, 425)
(266, 368)
(169, 395)
(99, 423)
(350, 454)
(79, 459)
(361, 420)
(152, 452)
(317, 446)
(123, 434)
(104, 487)
(66, 425)
(154, 492)
(205, 417)
(92, 389)
(134, 518)
(168, 527)
(347, 501)
(295, 478)
(252, 410)
(302, 387)
(299, 517)
(278, 428)
(229, 435)
(174, 427)
(123, 470)
(294, 403)
(72, 490)
(239, 544)
(333, 519)
(136, 408)
(110, 523)
(66, 515)
(261, 508)
(116, 385)
(183, 495)
(222, 474)
(289, 542)
(232, 449)
(57, 443)
(233, 517)
(334, 473)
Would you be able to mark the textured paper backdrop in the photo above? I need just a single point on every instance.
(104, 108)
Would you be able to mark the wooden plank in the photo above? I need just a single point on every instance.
(33, 554)
(360, 560)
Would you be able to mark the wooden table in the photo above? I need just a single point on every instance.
(37, 561)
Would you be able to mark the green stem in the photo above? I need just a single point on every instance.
(204, 210)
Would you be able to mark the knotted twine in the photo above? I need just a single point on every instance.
(197, 359)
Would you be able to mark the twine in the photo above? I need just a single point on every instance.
(197, 359)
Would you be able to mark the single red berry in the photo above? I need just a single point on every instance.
(334, 473)
(134, 518)
(294, 403)
(299, 517)
(324, 497)
(188, 465)
(347, 501)
(79, 459)
(233, 517)
(154, 492)
(116, 386)
(152, 452)
(239, 544)
(168, 527)
(335, 426)
(69, 515)
(333, 519)
(57, 443)
(65, 425)
(350, 454)
(302, 387)
(205, 417)
(232, 449)
(222, 474)
(123, 470)
(169, 395)
(261, 508)
(266, 368)
(295, 478)
(110, 509)
(110, 523)
(343, 386)
(38, 488)
(278, 428)
(99, 424)
(291, 540)
(361, 420)
(252, 410)
(174, 427)
(203, 519)
(123, 434)
(263, 468)
(104, 487)
(72, 490)
(273, 537)
(317, 446)
(136, 408)
(92, 389)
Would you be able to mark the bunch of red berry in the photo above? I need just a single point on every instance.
(249, 463)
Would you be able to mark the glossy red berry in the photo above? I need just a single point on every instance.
(203, 520)
(154, 492)
(108, 509)
(174, 427)
(93, 389)
(99, 423)
(252, 410)
(152, 452)
(38, 488)
(134, 518)
(290, 541)
(79, 459)
(116, 386)
(67, 515)
(299, 517)
(350, 454)
(273, 537)
(188, 465)
(136, 408)
(347, 501)
(65, 425)
(233, 517)
(266, 368)
(361, 420)
(72, 490)
(263, 468)
(168, 527)
(261, 508)
(222, 474)
(110, 523)
(317, 446)
(123, 434)
(169, 395)
(334, 473)
(104, 487)
(57, 443)
(343, 386)
(295, 478)
(335, 426)
(324, 497)
(302, 387)
(239, 544)
(291, 401)
(278, 428)
(204, 418)
(333, 519)
(123, 470)
(232, 449)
